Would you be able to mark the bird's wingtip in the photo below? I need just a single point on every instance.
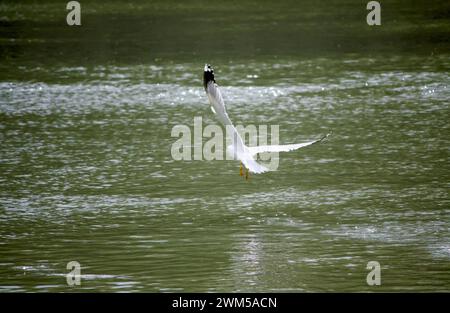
(208, 68)
(208, 75)
(326, 136)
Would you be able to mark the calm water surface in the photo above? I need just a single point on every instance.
(86, 174)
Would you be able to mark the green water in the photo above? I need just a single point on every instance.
(86, 172)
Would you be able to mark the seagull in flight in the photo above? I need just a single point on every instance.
(238, 149)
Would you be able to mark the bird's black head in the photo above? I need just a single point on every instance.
(208, 75)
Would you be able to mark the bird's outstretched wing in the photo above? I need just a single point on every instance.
(283, 148)
(215, 96)
(217, 103)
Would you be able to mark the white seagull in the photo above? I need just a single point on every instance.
(238, 149)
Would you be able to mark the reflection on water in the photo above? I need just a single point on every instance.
(87, 175)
